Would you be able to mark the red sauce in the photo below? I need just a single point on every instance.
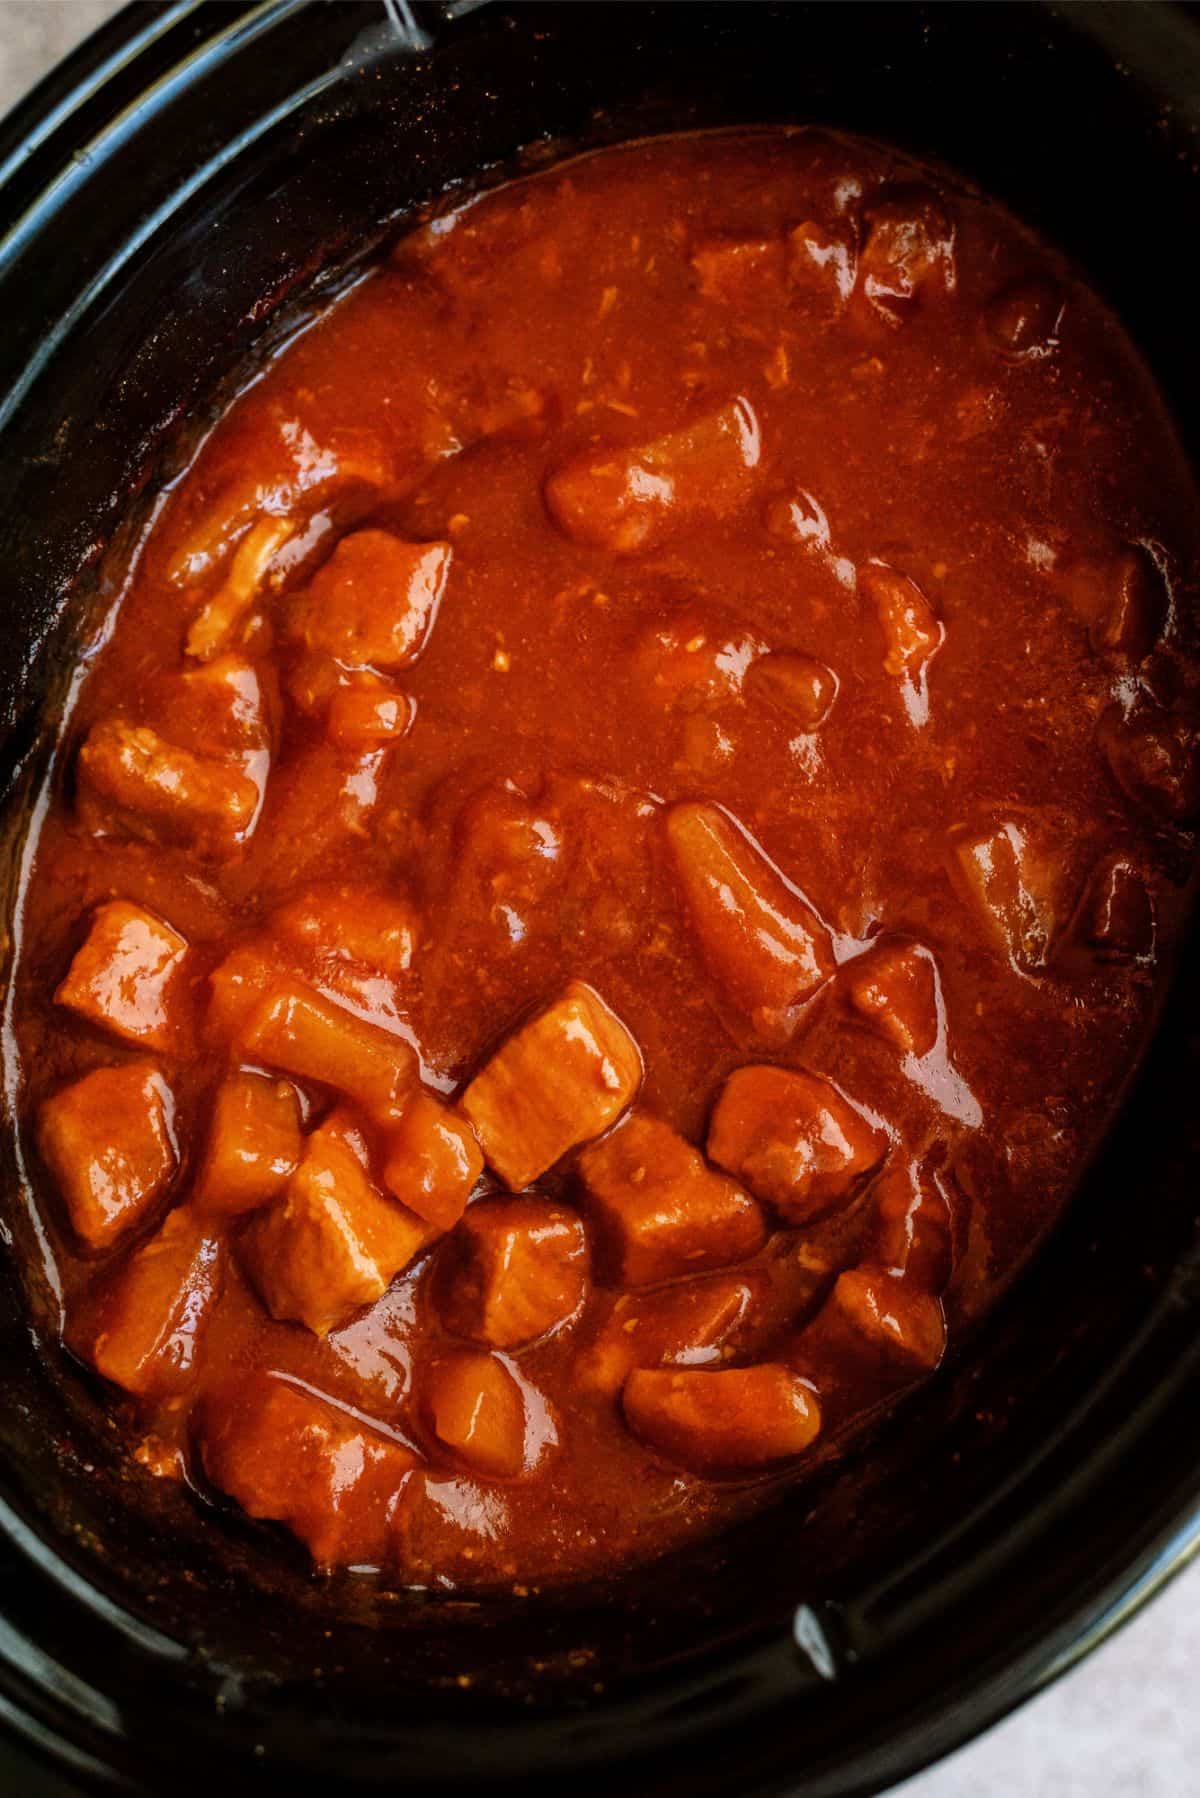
(613, 857)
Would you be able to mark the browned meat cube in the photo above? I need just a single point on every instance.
(373, 602)
(1023, 319)
(1117, 917)
(451, 1530)
(739, 270)
(822, 264)
(912, 632)
(721, 1421)
(892, 1314)
(913, 1225)
(793, 1139)
(298, 1031)
(477, 1410)
(629, 499)
(1014, 889)
(333, 1242)
(368, 711)
(254, 1144)
(433, 1161)
(1135, 608)
(217, 625)
(132, 779)
(286, 1455)
(893, 987)
(908, 256)
(237, 986)
(559, 1080)
(109, 1142)
(126, 976)
(695, 1324)
(1155, 758)
(151, 1319)
(356, 924)
(516, 1268)
(694, 661)
(799, 687)
(761, 940)
(660, 1211)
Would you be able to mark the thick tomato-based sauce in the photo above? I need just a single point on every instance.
(613, 857)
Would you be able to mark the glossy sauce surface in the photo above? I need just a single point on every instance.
(667, 719)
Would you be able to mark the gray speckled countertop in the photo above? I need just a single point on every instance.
(1126, 1724)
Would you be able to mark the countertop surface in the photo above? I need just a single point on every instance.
(1126, 1724)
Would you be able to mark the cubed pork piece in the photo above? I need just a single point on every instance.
(126, 977)
(908, 256)
(1013, 886)
(133, 780)
(1135, 607)
(432, 1160)
(368, 711)
(226, 707)
(373, 603)
(694, 1324)
(109, 1142)
(302, 1033)
(476, 1409)
(793, 1139)
(721, 1421)
(1117, 919)
(375, 930)
(629, 499)
(761, 940)
(1155, 759)
(558, 1081)
(333, 1241)
(660, 1211)
(254, 1144)
(1023, 319)
(892, 1314)
(151, 1319)
(798, 687)
(893, 988)
(450, 1530)
(694, 660)
(822, 264)
(218, 624)
(515, 1269)
(914, 1227)
(286, 1455)
(912, 632)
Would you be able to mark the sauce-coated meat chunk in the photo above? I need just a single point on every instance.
(374, 601)
(718, 1422)
(912, 633)
(216, 626)
(914, 1227)
(298, 1031)
(333, 1241)
(908, 256)
(351, 923)
(693, 660)
(1013, 886)
(892, 1314)
(254, 1144)
(126, 976)
(1117, 915)
(433, 1161)
(133, 780)
(893, 987)
(558, 1081)
(366, 712)
(477, 1410)
(1134, 607)
(693, 1324)
(799, 687)
(515, 1268)
(109, 1141)
(1155, 757)
(793, 1139)
(152, 1317)
(290, 1457)
(450, 1530)
(660, 1211)
(762, 941)
(630, 499)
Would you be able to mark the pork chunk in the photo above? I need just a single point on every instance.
(558, 1080)
(660, 1211)
(254, 1144)
(333, 1242)
(352, 923)
(514, 1269)
(134, 780)
(288, 1456)
(716, 1422)
(797, 686)
(476, 1409)
(109, 1142)
(794, 1140)
(893, 988)
(694, 1324)
(373, 603)
(912, 632)
(1013, 886)
(152, 1318)
(761, 940)
(908, 256)
(433, 1161)
(296, 1030)
(366, 712)
(126, 976)
(914, 1227)
(892, 1314)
